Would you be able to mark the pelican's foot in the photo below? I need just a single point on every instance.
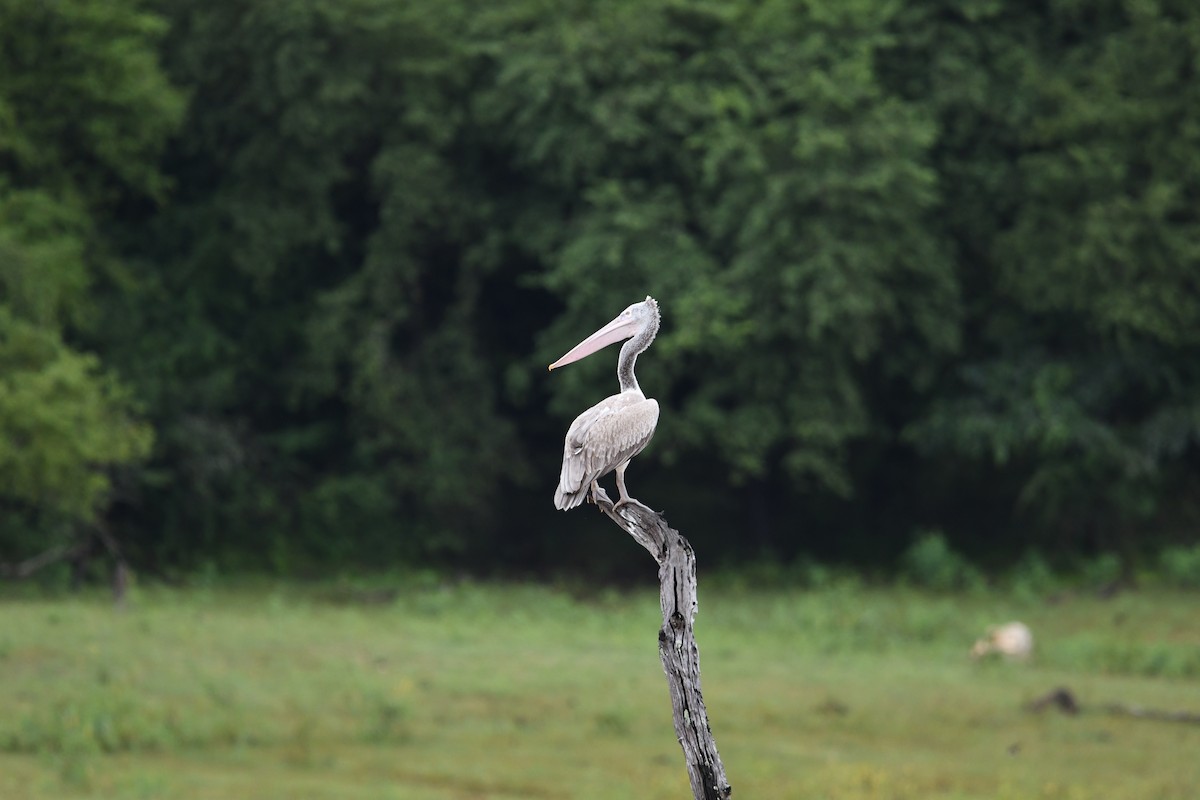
(597, 495)
(626, 501)
(630, 501)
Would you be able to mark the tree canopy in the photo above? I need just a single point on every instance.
(278, 282)
(85, 111)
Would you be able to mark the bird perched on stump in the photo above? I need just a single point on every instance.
(605, 437)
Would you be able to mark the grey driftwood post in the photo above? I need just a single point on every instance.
(676, 642)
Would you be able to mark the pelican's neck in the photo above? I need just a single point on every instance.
(631, 350)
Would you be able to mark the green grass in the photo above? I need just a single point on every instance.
(471, 691)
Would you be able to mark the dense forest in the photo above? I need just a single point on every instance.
(279, 281)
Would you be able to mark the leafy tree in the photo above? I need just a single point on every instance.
(62, 421)
(312, 351)
(925, 266)
(743, 161)
(83, 114)
(1070, 138)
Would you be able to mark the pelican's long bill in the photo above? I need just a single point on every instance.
(624, 326)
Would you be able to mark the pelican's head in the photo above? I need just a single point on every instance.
(630, 322)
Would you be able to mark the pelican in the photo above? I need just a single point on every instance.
(606, 436)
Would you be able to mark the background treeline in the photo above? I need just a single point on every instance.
(279, 280)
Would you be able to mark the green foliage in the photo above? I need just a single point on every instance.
(62, 422)
(43, 272)
(1033, 577)
(1075, 208)
(84, 112)
(1180, 566)
(1102, 570)
(744, 164)
(330, 265)
(84, 108)
(1107, 160)
(929, 562)
(922, 262)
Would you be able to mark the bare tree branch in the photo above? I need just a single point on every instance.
(79, 553)
(23, 569)
(676, 641)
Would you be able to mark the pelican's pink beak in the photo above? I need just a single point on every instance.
(620, 328)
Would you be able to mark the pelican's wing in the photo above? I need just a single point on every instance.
(602, 438)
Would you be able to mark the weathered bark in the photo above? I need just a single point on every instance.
(676, 641)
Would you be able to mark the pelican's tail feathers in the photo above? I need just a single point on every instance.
(564, 500)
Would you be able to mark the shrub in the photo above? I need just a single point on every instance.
(929, 562)
(1181, 566)
(1033, 575)
(1102, 570)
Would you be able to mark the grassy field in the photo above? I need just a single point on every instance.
(477, 691)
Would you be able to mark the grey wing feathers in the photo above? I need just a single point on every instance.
(601, 439)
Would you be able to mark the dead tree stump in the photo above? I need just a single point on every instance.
(676, 641)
